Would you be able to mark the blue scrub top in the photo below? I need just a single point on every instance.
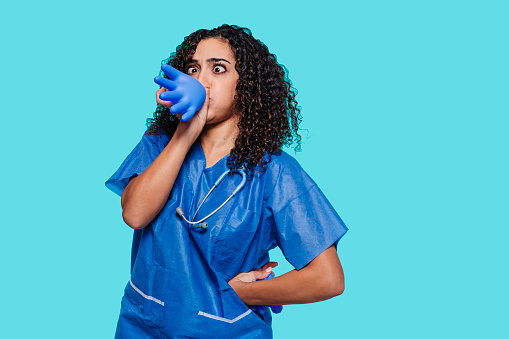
(179, 273)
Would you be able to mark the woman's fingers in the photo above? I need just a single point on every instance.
(259, 275)
(159, 91)
(203, 111)
(254, 275)
(164, 103)
(270, 264)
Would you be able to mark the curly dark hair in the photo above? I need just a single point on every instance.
(265, 98)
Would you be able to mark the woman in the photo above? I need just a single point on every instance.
(195, 281)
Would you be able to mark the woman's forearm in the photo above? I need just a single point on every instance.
(146, 195)
(293, 287)
(321, 279)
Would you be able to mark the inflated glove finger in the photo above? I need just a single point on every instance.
(276, 308)
(188, 114)
(258, 308)
(171, 71)
(179, 107)
(166, 83)
(170, 96)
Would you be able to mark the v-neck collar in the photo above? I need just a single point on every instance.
(202, 154)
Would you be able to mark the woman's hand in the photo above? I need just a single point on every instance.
(243, 279)
(164, 103)
(185, 97)
(195, 125)
(320, 279)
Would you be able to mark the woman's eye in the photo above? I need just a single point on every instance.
(191, 70)
(219, 69)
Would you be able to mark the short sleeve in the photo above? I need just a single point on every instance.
(145, 152)
(305, 223)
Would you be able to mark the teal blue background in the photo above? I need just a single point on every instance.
(405, 109)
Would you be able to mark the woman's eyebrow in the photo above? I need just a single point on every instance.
(217, 60)
(194, 61)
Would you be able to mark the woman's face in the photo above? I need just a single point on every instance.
(213, 65)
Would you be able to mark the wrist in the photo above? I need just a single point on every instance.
(186, 134)
(246, 293)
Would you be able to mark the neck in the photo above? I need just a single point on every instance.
(217, 140)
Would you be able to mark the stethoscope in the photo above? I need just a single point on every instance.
(201, 223)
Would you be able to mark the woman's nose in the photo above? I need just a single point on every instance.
(204, 79)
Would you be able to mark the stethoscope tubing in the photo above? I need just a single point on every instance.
(201, 223)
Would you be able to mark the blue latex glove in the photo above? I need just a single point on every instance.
(186, 94)
(261, 308)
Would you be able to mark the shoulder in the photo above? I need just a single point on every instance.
(287, 163)
(155, 134)
(286, 177)
(279, 162)
(157, 138)
(290, 170)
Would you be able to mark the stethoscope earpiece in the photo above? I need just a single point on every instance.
(201, 224)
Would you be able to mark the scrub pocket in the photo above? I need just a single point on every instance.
(140, 316)
(245, 327)
(241, 322)
(235, 236)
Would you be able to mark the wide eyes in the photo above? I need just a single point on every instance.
(218, 68)
(191, 70)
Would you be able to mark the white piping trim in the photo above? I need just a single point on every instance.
(215, 317)
(146, 296)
